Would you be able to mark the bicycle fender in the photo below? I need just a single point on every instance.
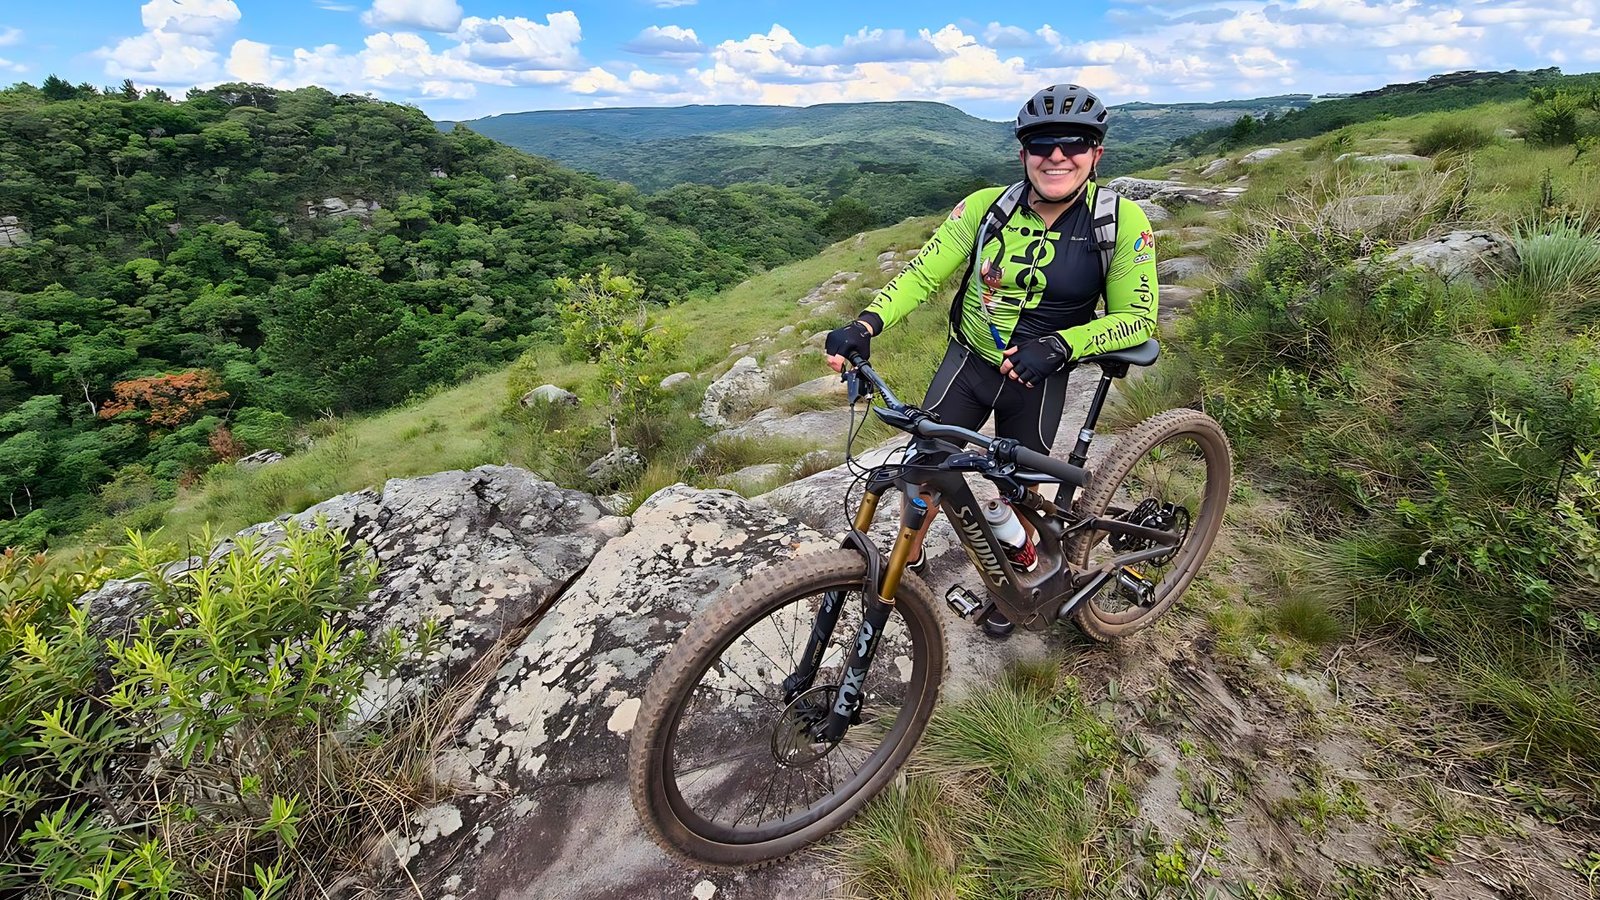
(872, 585)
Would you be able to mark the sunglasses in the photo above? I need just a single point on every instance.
(1070, 146)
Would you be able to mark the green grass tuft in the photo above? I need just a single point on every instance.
(1452, 136)
(1006, 798)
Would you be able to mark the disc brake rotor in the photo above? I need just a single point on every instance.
(792, 743)
(1152, 513)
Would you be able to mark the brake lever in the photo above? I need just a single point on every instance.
(1002, 453)
(854, 384)
(968, 462)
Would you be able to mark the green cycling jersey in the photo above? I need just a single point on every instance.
(1036, 279)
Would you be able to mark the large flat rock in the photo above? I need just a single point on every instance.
(547, 743)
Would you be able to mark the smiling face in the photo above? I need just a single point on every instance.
(1060, 175)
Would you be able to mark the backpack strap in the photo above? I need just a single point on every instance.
(994, 219)
(1107, 203)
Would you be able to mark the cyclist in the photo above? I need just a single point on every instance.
(1018, 322)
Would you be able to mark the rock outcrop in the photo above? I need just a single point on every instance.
(1387, 159)
(258, 459)
(1177, 268)
(1140, 188)
(546, 744)
(480, 553)
(834, 286)
(549, 394)
(1365, 213)
(823, 427)
(338, 208)
(737, 388)
(12, 234)
(1474, 257)
(616, 467)
(1205, 196)
(1154, 211)
(1260, 156)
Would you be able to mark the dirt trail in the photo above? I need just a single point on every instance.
(1342, 777)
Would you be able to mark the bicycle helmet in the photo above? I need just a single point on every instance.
(1062, 108)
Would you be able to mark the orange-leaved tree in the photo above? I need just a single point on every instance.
(167, 400)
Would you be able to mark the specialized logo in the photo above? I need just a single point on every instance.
(1146, 241)
(978, 546)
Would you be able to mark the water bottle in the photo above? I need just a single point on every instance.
(1013, 538)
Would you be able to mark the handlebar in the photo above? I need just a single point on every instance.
(1005, 450)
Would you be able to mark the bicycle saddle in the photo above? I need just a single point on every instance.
(1143, 355)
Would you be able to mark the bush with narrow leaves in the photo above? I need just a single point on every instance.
(206, 746)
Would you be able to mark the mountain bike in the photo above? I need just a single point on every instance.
(796, 696)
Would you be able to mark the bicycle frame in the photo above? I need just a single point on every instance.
(934, 469)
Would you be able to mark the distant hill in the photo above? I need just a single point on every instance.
(826, 145)
(1439, 93)
(655, 148)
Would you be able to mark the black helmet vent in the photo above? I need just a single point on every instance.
(1063, 105)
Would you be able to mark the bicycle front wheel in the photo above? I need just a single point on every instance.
(723, 769)
(1171, 473)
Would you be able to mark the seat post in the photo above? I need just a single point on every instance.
(1108, 373)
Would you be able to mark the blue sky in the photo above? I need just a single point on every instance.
(466, 58)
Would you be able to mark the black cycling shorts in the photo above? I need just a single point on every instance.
(966, 389)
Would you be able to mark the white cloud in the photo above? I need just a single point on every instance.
(177, 47)
(775, 67)
(671, 4)
(404, 59)
(448, 90)
(429, 15)
(866, 45)
(162, 57)
(253, 62)
(1348, 12)
(10, 36)
(638, 81)
(335, 7)
(203, 18)
(1009, 36)
(519, 43)
(1260, 63)
(669, 41)
(1435, 58)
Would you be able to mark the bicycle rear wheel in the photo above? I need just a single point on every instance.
(722, 768)
(1172, 472)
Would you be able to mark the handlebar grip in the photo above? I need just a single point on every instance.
(856, 360)
(1049, 465)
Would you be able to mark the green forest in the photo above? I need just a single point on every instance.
(182, 282)
(1438, 94)
(881, 161)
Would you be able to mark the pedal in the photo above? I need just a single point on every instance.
(962, 601)
(1135, 583)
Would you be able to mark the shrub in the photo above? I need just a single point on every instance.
(1559, 261)
(1457, 136)
(260, 429)
(209, 748)
(1555, 121)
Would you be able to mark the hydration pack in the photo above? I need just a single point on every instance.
(1107, 202)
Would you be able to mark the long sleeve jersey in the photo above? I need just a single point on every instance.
(1035, 280)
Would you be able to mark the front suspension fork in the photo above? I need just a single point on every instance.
(847, 704)
(799, 681)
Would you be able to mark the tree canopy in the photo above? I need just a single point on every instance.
(271, 255)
